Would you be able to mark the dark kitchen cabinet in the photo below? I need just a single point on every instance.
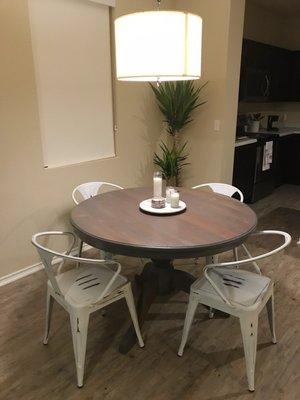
(281, 152)
(244, 169)
(268, 73)
(256, 75)
(295, 79)
(281, 74)
(255, 85)
(256, 55)
(255, 182)
(264, 182)
(248, 173)
(288, 168)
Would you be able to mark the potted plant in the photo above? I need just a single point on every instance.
(176, 100)
(171, 162)
(254, 122)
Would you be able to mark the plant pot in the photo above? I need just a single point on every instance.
(171, 182)
(254, 126)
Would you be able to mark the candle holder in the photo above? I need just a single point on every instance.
(157, 185)
(174, 199)
(159, 202)
(169, 191)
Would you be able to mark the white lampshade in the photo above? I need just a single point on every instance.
(158, 46)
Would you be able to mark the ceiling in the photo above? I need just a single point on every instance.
(288, 8)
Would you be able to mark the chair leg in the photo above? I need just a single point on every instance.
(49, 307)
(79, 328)
(236, 254)
(190, 313)
(131, 306)
(211, 313)
(80, 248)
(271, 317)
(108, 256)
(105, 255)
(212, 260)
(249, 334)
(79, 252)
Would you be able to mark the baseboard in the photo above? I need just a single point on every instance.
(14, 276)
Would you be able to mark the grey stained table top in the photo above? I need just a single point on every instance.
(212, 223)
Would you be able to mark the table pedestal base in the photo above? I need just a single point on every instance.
(158, 277)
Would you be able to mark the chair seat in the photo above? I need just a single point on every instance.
(82, 286)
(239, 286)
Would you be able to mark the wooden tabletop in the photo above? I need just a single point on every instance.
(211, 224)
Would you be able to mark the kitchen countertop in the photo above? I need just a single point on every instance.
(285, 131)
(244, 141)
(288, 131)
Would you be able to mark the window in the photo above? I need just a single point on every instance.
(71, 51)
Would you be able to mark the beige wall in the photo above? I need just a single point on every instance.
(263, 25)
(34, 199)
(212, 152)
(293, 31)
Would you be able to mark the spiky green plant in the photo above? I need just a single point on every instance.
(171, 162)
(255, 117)
(177, 100)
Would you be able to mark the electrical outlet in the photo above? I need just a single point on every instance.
(217, 125)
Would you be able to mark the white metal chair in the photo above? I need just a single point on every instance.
(226, 190)
(240, 293)
(87, 190)
(223, 188)
(82, 291)
(90, 189)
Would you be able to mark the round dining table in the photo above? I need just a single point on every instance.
(210, 224)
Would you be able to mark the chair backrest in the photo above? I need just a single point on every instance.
(47, 256)
(91, 189)
(223, 188)
(250, 259)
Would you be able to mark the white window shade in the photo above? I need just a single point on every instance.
(158, 45)
(71, 49)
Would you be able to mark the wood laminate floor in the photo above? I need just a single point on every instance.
(212, 367)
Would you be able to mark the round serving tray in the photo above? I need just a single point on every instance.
(146, 206)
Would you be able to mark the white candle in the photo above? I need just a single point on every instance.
(169, 191)
(157, 185)
(175, 199)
